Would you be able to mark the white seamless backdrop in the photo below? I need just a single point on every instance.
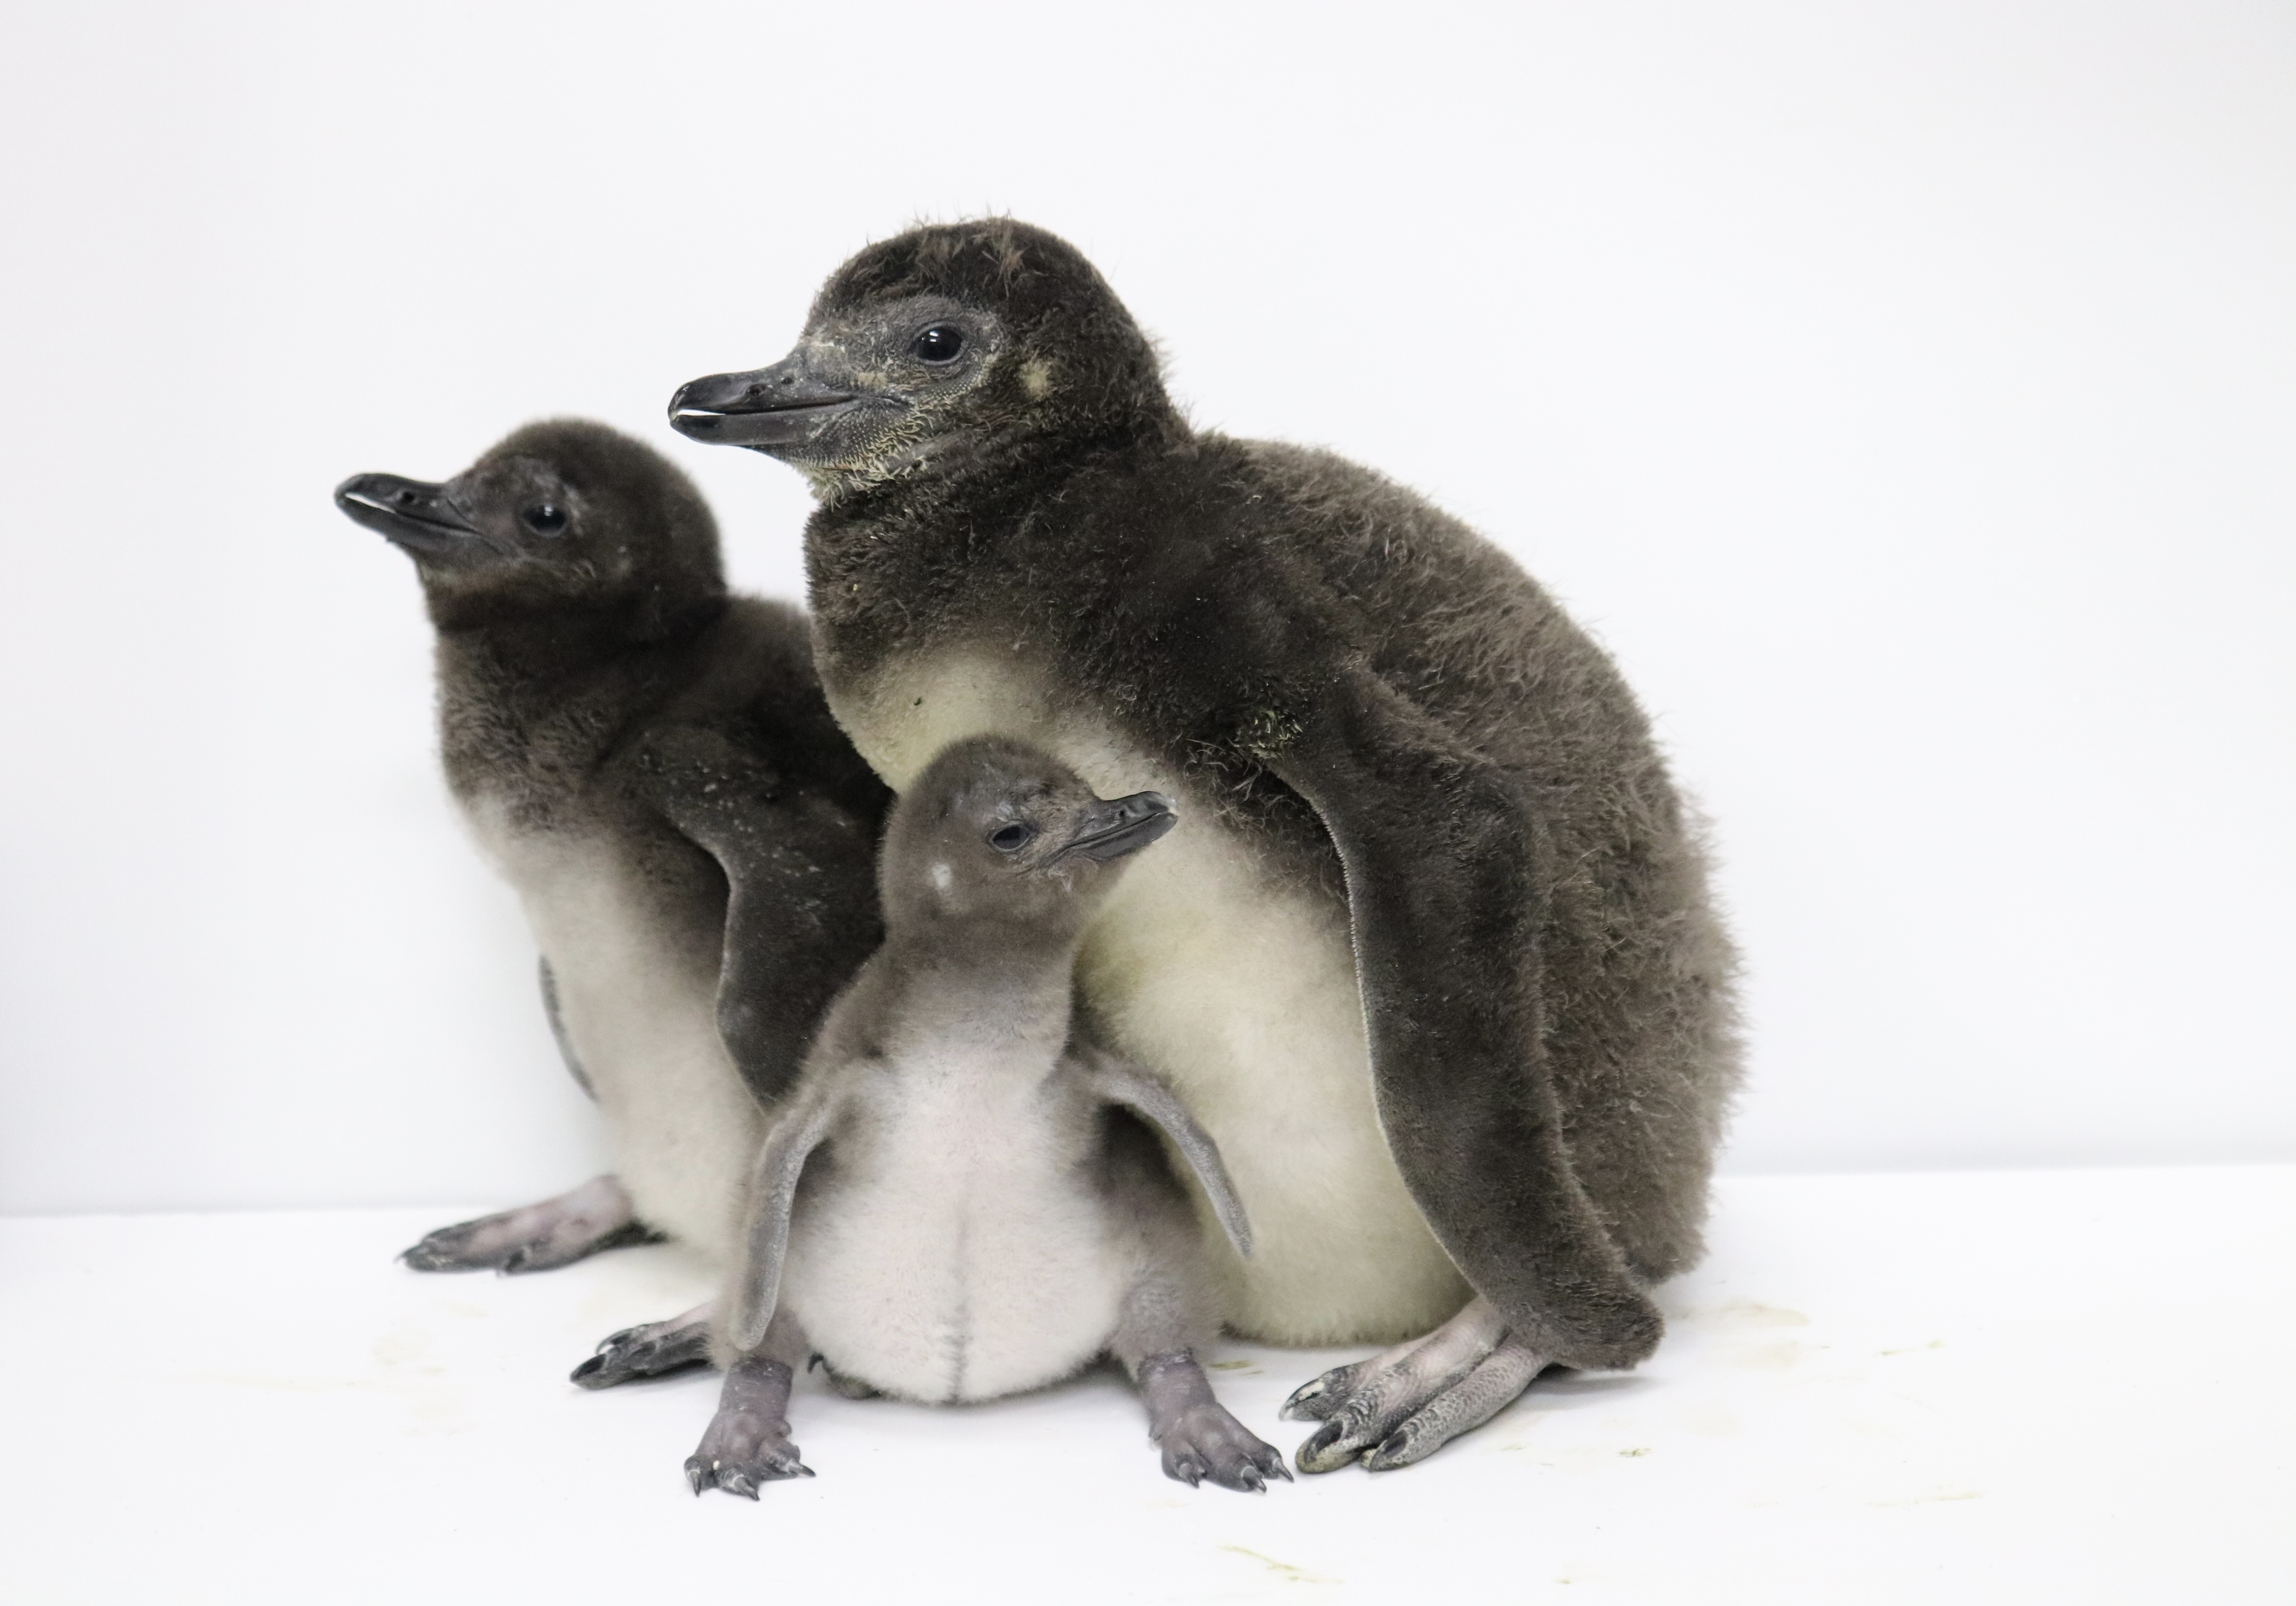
(1903, 390)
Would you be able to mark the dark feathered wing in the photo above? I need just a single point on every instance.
(801, 907)
(1436, 840)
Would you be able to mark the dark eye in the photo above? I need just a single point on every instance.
(543, 518)
(939, 344)
(1013, 838)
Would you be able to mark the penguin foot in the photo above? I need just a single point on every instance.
(538, 1237)
(1207, 1442)
(765, 1463)
(1403, 1405)
(654, 1349)
(1198, 1437)
(748, 1442)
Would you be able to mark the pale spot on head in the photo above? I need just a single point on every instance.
(1036, 378)
(943, 877)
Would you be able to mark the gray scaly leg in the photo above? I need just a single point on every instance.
(1169, 1309)
(538, 1237)
(1403, 1405)
(747, 1441)
(1198, 1437)
(654, 1349)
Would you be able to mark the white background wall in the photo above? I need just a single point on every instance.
(1903, 391)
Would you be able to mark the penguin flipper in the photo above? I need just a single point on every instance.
(1139, 1091)
(801, 898)
(772, 1193)
(549, 979)
(1442, 852)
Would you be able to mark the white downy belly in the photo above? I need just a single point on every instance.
(953, 1255)
(1239, 986)
(642, 1018)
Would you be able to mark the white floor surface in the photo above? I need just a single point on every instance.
(2034, 1388)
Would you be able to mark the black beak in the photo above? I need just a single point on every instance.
(419, 517)
(1121, 825)
(766, 407)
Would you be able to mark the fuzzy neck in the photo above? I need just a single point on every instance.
(549, 693)
(981, 984)
(903, 564)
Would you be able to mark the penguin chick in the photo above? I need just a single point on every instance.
(1436, 964)
(650, 764)
(959, 1201)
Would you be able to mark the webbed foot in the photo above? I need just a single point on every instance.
(1210, 1443)
(1198, 1437)
(653, 1349)
(748, 1442)
(1404, 1404)
(537, 1237)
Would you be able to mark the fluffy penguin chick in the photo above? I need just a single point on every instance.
(958, 1202)
(1435, 963)
(650, 763)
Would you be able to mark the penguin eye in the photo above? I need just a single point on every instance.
(543, 518)
(1013, 838)
(939, 344)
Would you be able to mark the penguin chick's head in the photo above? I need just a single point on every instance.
(562, 515)
(951, 348)
(999, 832)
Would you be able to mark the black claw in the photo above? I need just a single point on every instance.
(1312, 1452)
(1328, 1391)
(626, 1237)
(697, 1474)
(590, 1368)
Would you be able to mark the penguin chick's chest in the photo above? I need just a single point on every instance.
(957, 1247)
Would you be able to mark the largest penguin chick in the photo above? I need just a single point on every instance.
(1438, 969)
(985, 1210)
(650, 764)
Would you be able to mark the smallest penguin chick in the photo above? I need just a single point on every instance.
(958, 1200)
